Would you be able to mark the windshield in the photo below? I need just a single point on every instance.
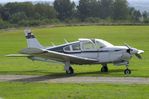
(102, 43)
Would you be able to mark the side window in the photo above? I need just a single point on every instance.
(67, 49)
(72, 48)
(88, 46)
(76, 47)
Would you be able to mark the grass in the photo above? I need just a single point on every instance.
(13, 40)
(72, 91)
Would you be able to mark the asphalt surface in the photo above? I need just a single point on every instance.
(73, 79)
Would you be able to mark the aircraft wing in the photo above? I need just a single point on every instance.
(18, 55)
(56, 56)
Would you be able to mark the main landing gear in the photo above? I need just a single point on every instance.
(104, 68)
(68, 68)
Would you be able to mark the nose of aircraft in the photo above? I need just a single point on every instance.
(134, 50)
(137, 52)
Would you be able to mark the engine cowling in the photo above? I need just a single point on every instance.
(126, 56)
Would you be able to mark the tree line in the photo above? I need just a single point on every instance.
(92, 11)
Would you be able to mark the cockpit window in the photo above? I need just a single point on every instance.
(88, 46)
(98, 45)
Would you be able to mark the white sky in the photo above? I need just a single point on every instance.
(21, 0)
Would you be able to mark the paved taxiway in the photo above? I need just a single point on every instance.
(73, 79)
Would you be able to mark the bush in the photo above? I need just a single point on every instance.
(72, 20)
(4, 24)
(146, 20)
(29, 23)
(92, 20)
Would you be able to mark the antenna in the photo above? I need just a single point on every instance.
(66, 41)
(52, 44)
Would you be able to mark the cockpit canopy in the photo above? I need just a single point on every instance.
(87, 45)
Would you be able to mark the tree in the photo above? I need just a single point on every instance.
(19, 16)
(137, 15)
(120, 10)
(44, 11)
(64, 8)
(145, 15)
(88, 8)
(15, 7)
(106, 8)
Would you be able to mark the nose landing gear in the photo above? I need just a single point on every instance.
(127, 71)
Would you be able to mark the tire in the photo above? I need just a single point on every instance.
(127, 71)
(104, 69)
(70, 71)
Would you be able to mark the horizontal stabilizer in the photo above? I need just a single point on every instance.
(18, 55)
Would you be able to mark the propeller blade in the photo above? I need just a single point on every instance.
(127, 45)
(140, 52)
(129, 48)
(138, 56)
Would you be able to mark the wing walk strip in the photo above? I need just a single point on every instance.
(72, 79)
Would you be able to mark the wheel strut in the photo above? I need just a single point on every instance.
(68, 68)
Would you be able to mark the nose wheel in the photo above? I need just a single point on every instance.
(127, 71)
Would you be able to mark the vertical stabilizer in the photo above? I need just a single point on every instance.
(32, 42)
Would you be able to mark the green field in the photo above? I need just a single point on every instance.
(13, 40)
(72, 91)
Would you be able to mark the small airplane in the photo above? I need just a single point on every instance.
(83, 51)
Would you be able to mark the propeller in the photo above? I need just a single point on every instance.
(138, 54)
(135, 51)
(129, 48)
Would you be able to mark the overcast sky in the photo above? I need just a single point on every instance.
(4, 1)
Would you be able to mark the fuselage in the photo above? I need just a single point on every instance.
(94, 50)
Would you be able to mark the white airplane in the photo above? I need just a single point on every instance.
(83, 51)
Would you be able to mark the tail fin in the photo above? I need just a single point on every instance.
(32, 42)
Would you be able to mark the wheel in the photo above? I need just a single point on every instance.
(127, 71)
(70, 71)
(104, 69)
